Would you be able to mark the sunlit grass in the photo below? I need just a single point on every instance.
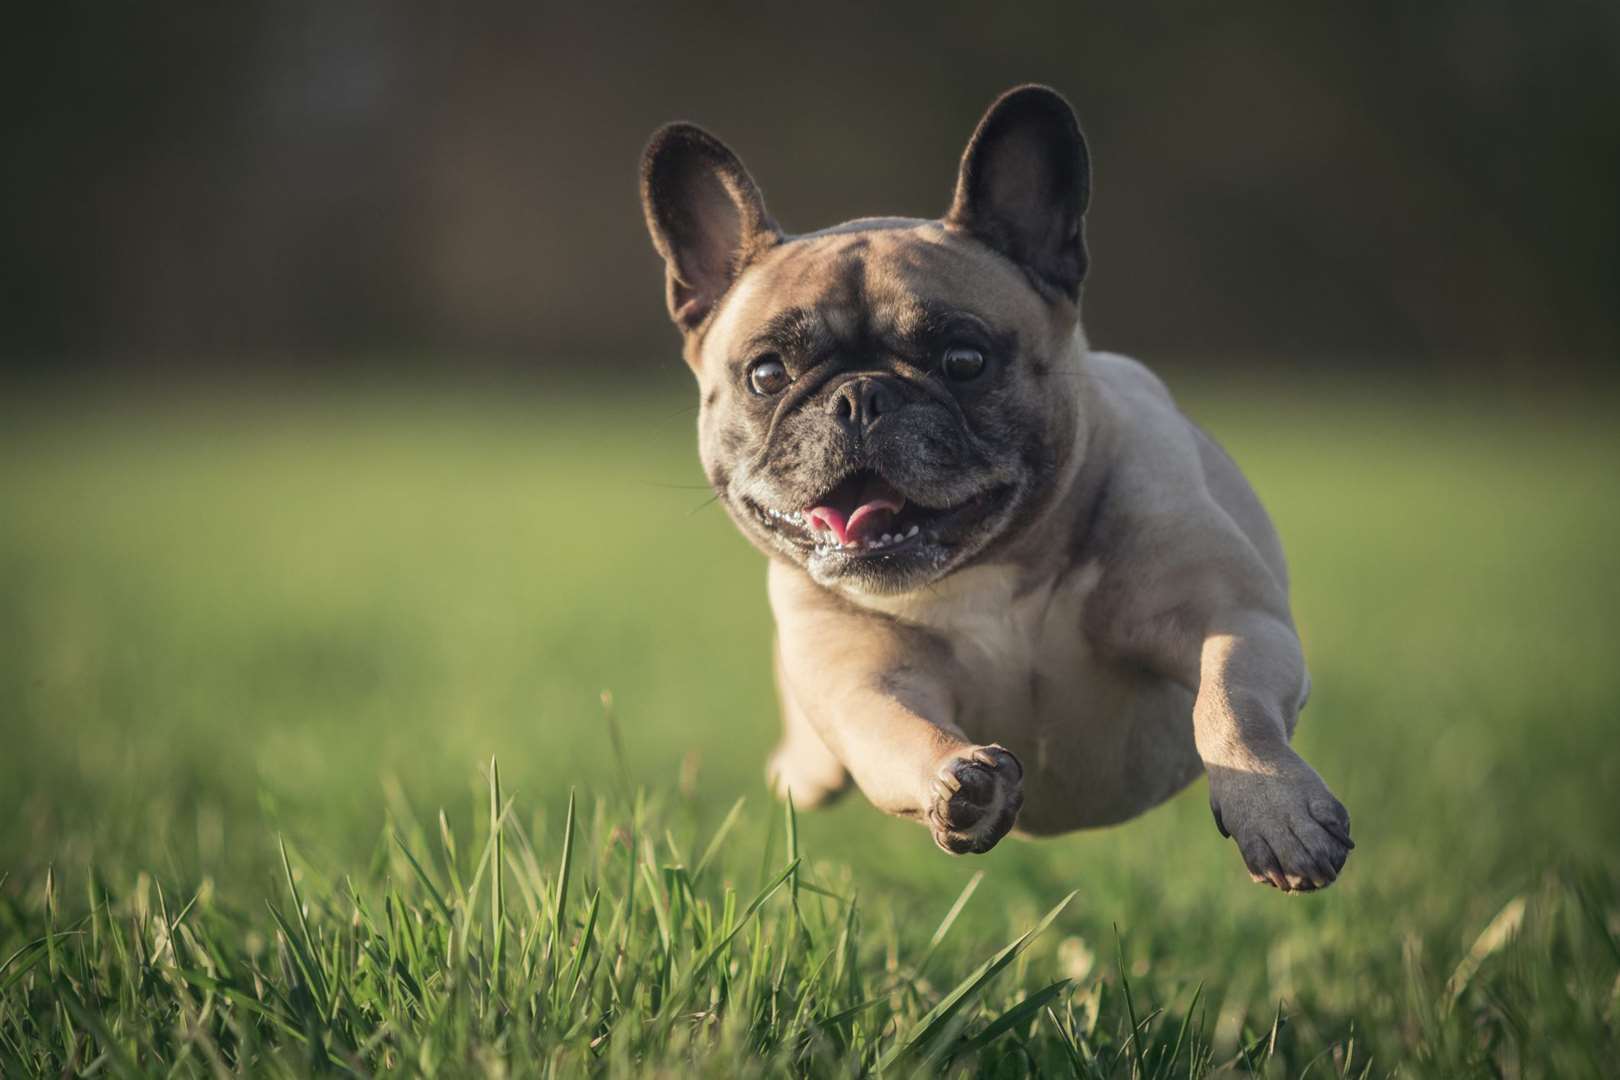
(621, 948)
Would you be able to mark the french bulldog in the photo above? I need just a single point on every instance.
(1013, 585)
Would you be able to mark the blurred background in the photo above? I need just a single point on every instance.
(344, 441)
(339, 185)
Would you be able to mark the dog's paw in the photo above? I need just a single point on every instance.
(809, 773)
(974, 799)
(1292, 832)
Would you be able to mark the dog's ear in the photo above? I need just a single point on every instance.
(1024, 185)
(706, 216)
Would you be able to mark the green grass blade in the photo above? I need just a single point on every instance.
(87, 1019)
(940, 1016)
(497, 884)
(301, 958)
(1186, 1023)
(305, 943)
(34, 949)
(447, 842)
(726, 825)
(559, 905)
(747, 915)
(242, 998)
(1022, 1012)
(583, 950)
(949, 920)
(427, 883)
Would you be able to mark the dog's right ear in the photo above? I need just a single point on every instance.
(706, 216)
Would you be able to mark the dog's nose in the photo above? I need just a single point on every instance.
(858, 403)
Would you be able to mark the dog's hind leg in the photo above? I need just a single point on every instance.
(801, 763)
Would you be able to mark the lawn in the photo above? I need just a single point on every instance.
(242, 618)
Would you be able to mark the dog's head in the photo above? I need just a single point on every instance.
(888, 400)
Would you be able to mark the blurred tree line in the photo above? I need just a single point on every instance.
(322, 183)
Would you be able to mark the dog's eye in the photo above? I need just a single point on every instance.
(961, 363)
(768, 376)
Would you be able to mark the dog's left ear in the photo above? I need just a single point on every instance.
(706, 216)
(1024, 185)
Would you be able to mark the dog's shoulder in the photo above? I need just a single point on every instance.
(1198, 469)
(1179, 530)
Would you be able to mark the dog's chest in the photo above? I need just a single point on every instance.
(1003, 638)
(1018, 653)
(1015, 650)
(1100, 741)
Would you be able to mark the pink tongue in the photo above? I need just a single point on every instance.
(876, 504)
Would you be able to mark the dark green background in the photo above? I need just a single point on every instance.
(331, 185)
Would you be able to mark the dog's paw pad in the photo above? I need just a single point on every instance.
(975, 799)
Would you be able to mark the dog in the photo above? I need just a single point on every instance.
(1013, 585)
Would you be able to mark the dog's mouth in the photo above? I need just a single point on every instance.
(865, 516)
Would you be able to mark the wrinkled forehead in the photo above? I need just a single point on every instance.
(858, 281)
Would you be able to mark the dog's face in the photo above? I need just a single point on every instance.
(889, 400)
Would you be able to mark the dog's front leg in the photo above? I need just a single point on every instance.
(875, 694)
(892, 731)
(1250, 678)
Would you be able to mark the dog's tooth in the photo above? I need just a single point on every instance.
(913, 531)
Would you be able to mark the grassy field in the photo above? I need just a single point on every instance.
(247, 617)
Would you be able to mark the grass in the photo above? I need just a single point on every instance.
(251, 644)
